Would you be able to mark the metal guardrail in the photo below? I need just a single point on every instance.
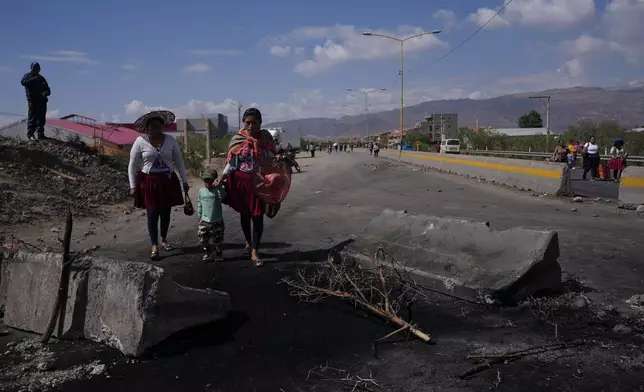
(532, 155)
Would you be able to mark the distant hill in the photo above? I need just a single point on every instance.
(624, 105)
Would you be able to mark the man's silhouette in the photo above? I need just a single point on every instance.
(38, 92)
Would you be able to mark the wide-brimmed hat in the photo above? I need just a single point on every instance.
(166, 116)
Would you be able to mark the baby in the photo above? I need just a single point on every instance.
(211, 220)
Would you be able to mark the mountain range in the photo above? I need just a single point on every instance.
(568, 106)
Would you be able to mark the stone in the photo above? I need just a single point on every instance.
(640, 209)
(578, 199)
(127, 305)
(460, 257)
(622, 329)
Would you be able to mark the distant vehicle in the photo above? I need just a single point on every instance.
(450, 146)
(284, 137)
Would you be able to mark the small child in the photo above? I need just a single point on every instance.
(211, 220)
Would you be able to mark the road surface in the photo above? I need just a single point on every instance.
(271, 341)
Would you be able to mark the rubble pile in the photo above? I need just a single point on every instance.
(43, 179)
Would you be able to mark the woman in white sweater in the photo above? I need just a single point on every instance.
(153, 182)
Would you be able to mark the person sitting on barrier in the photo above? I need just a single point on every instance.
(617, 158)
(560, 153)
(591, 161)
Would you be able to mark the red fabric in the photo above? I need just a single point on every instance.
(256, 146)
(616, 164)
(158, 191)
(241, 194)
(272, 182)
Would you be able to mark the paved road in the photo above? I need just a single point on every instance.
(271, 342)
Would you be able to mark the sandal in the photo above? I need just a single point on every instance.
(166, 247)
(154, 254)
(258, 263)
(247, 251)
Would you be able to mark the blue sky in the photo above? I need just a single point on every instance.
(114, 60)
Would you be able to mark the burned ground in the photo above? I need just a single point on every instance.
(273, 342)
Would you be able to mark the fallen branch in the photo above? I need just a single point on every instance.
(63, 287)
(61, 173)
(494, 359)
(371, 289)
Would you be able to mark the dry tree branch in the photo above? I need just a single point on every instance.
(488, 360)
(370, 288)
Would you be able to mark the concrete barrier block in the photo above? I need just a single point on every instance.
(127, 305)
(631, 187)
(461, 257)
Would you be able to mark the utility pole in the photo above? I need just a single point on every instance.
(208, 137)
(239, 113)
(545, 99)
(366, 103)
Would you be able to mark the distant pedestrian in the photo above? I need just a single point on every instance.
(591, 153)
(618, 156)
(38, 93)
(352, 146)
(376, 150)
(156, 186)
(211, 220)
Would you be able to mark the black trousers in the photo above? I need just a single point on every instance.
(36, 118)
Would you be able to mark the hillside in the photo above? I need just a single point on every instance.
(625, 105)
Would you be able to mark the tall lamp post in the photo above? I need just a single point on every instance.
(366, 103)
(402, 70)
(545, 99)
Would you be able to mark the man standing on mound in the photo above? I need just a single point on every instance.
(38, 92)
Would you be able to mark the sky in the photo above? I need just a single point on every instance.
(115, 60)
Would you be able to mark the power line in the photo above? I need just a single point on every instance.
(468, 38)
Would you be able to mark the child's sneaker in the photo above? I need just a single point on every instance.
(207, 257)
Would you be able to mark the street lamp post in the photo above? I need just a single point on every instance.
(402, 70)
(545, 99)
(366, 103)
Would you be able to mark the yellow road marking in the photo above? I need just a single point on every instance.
(530, 171)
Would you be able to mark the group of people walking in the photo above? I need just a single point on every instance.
(591, 157)
(155, 185)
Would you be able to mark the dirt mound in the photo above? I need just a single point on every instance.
(43, 179)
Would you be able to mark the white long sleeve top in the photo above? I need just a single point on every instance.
(155, 160)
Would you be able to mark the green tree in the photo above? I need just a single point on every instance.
(532, 119)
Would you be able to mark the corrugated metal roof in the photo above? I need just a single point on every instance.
(117, 135)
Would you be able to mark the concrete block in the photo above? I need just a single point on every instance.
(127, 305)
(462, 258)
(631, 187)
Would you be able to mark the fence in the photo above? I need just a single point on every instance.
(634, 160)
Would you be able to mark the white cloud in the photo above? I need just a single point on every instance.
(64, 56)
(279, 51)
(622, 22)
(129, 67)
(198, 68)
(344, 43)
(447, 17)
(53, 114)
(483, 15)
(299, 50)
(215, 52)
(574, 67)
(620, 32)
(636, 83)
(537, 13)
